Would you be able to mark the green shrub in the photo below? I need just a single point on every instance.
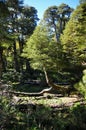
(12, 76)
(81, 86)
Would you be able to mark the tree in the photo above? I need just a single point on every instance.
(27, 23)
(38, 47)
(43, 49)
(64, 13)
(16, 24)
(82, 1)
(44, 53)
(4, 12)
(51, 17)
(56, 17)
(20, 23)
(74, 41)
(81, 85)
(15, 9)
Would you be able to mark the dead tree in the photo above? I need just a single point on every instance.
(52, 86)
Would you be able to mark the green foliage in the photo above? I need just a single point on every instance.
(7, 112)
(11, 76)
(41, 117)
(56, 17)
(42, 50)
(3, 9)
(18, 22)
(82, 1)
(38, 47)
(29, 20)
(81, 86)
(77, 116)
(73, 38)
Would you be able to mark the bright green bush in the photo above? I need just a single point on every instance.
(81, 86)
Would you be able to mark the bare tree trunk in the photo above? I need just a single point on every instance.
(31, 94)
(47, 90)
(53, 85)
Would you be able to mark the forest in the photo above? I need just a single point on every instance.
(42, 67)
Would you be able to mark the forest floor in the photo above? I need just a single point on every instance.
(41, 112)
(50, 100)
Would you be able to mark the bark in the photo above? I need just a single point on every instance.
(53, 85)
(61, 28)
(30, 94)
(55, 28)
(47, 90)
(16, 63)
(1, 68)
(28, 67)
(21, 43)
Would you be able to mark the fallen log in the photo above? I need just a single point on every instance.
(60, 88)
(31, 94)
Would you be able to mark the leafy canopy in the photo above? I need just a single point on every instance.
(41, 49)
(74, 36)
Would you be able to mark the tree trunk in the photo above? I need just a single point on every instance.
(16, 63)
(31, 94)
(61, 28)
(0, 66)
(21, 60)
(57, 87)
(28, 68)
(55, 28)
(1, 62)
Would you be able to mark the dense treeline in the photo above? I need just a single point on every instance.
(17, 22)
(31, 55)
(56, 46)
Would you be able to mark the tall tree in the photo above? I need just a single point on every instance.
(43, 52)
(64, 13)
(74, 41)
(3, 34)
(51, 17)
(56, 17)
(82, 1)
(15, 8)
(21, 22)
(27, 23)
(14, 29)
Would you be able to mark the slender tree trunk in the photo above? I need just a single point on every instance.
(28, 68)
(55, 28)
(53, 85)
(61, 27)
(21, 43)
(16, 64)
(4, 63)
(49, 82)
(21, 59)
(0, 66)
